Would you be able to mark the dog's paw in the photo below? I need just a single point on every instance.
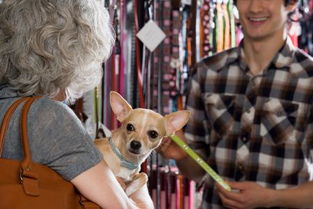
(138, 181)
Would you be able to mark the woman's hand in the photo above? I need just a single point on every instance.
(246, 195)
(142, 198)
(99, 185)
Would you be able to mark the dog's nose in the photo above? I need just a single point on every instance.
(135, 145)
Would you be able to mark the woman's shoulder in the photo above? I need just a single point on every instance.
(47, 109)
(45, 104)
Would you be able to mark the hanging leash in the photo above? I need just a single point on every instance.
(138, 56)
(230, 8)
(220, 36)
(226, 22)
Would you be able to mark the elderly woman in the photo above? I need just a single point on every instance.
(55, 48)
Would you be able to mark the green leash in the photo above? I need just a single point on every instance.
(200, 161)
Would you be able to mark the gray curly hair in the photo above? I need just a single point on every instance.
(48, 46)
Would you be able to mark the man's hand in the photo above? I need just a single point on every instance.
(246, 195)
(187, 166)
(169, 150)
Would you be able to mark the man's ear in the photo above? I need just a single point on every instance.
(119, 106)
(176, 121)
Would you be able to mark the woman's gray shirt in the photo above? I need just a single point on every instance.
(57, 137)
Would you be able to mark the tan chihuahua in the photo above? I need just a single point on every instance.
(141, 131)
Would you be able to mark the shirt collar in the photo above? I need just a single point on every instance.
(283, 58)
(7, 92)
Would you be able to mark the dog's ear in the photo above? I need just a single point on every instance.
(176, 121)
(120, 106)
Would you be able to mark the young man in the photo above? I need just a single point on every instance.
(252, 116)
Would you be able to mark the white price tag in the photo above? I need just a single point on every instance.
(186, 2)
(151, 35)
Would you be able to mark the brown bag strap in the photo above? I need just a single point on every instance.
(24, 134)
(6, 120)
(28, 176)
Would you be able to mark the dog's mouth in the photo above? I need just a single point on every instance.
(134, 151)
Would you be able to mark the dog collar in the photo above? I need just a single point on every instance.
(124, 162)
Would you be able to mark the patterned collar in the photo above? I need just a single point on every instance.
(124, 162)
(283, 58)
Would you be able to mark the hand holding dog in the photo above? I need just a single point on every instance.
(250, 195)
(142, 198)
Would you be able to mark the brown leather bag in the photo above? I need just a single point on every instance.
(29, 185)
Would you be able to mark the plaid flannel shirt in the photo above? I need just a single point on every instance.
(253, 127)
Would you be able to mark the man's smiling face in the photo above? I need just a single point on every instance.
(262, 19)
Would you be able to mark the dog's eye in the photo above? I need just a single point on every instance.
(130, 127)
(153, 134)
